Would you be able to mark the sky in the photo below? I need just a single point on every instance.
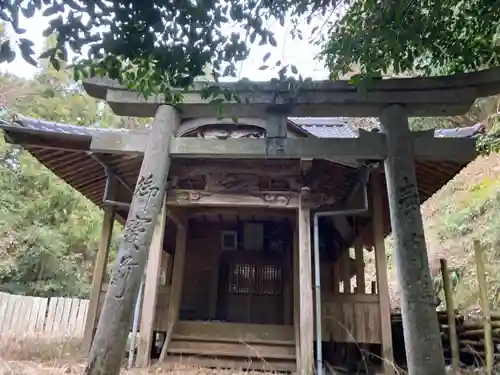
(290, 51)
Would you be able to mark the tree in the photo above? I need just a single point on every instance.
(155, 45)
(434, 37)
(48, 232)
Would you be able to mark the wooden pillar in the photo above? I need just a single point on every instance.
(485, 306)
(108, 347)
(288, 288)
(306, 315)
(151, 285)
(100, 264)
(450, 310)
(360, 267)
(423, 345)
(336, 277)
(296, 293)
(345, 266)
(175, 297)
(381, 271)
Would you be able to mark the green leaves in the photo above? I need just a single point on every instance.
(7, 54)
(25, 46)
(436, 37)
(150, 48)
(48, 231)
(154, 48)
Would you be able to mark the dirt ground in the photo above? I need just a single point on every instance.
(35, 356)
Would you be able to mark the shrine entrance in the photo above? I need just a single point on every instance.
(252, 287)
(254, 283)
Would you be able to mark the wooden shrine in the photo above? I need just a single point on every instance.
(258, 246)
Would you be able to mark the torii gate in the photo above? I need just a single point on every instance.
(392, 100)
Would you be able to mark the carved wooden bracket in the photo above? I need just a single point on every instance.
(178, 197)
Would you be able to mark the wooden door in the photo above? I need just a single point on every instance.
(251, 287)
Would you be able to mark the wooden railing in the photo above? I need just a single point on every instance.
(350, 317)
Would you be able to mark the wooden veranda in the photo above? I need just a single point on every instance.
(279, 203)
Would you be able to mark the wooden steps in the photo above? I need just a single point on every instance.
(231, 363)
(235, 346)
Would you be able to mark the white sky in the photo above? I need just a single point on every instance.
(291, 51)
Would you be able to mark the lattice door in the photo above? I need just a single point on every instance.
(254, 291)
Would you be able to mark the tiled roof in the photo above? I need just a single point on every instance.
(326, 127)
(28, 123)
(318, 127)
(348, 128)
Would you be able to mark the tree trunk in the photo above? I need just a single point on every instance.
(423, 345)
(108, 346)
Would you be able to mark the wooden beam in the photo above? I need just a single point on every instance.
(201, 167)
(148, 314)
(177, 281)
(424, 349)
(368, 146)
(245, 211)
(178, 197)
(100, 264)
(306, 316)
(108, 347)
(381, 272)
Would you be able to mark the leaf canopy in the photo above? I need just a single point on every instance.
(153, 45)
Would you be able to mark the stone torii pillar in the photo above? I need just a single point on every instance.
(423, 345)
(108, 347)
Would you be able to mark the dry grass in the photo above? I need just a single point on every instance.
(467, 208)
(39, 356)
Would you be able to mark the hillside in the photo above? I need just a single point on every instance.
(467, 208)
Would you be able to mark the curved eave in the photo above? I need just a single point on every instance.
(67, 154)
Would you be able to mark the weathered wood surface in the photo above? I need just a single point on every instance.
(151, 286)
(368, 145)
(485, 306)
(351, 318)
(240, 332)
(108, 347)
(177, 282)
(236, 365)
(191, 198)
(306, 316)
(435, 96)
(100, 265)
(381, 271)
(54, 318)
(360, 266)
(423, 345)
(230, 342)
(296, 290)
(450, 312)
